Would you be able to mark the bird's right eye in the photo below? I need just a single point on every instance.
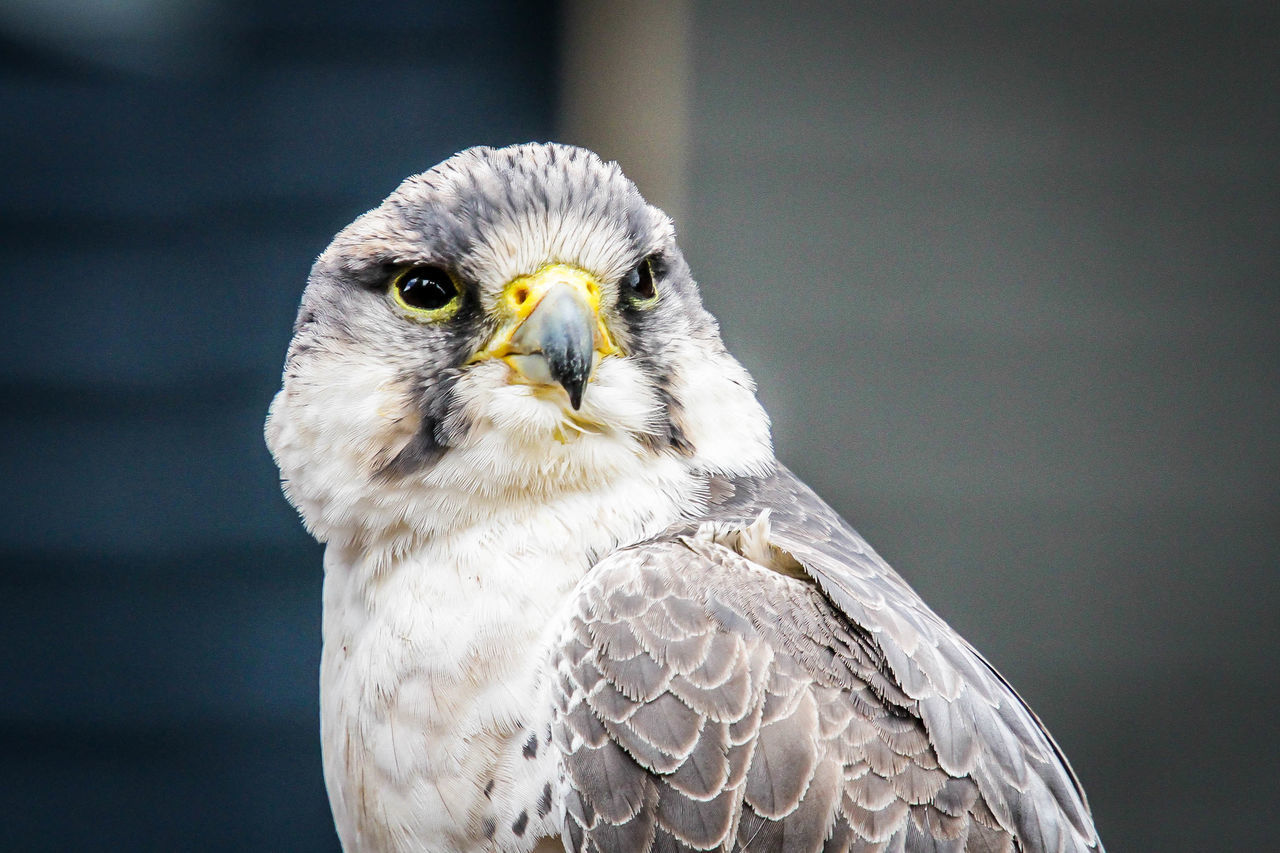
(426, 292)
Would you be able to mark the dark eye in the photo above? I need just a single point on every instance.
(425, 289)
(637, 285)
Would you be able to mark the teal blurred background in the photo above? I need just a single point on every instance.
(1006, 274)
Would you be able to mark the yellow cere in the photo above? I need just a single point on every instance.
(522, 294)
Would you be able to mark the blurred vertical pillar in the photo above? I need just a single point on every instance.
(625, 78)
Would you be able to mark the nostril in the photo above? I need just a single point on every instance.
(520, 295)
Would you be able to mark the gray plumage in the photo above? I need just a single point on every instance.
(709, 702)
(725, 663)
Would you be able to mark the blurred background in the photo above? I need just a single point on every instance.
(1006, 274)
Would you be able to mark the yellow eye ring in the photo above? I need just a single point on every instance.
(426, 293)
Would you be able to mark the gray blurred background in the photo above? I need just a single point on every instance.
(1006, 275)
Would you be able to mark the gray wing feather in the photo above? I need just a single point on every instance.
(706, 702)
(978, 725)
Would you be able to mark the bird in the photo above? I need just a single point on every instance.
(572, 599)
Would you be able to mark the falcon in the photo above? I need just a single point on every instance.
(571, 598)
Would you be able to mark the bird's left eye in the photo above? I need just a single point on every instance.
(637, 285)
(426, 291)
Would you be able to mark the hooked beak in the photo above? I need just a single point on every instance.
(554, 334)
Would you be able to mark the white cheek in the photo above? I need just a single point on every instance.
(720, 415)
(330, 426)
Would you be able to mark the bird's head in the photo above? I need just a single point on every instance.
(514, 319)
